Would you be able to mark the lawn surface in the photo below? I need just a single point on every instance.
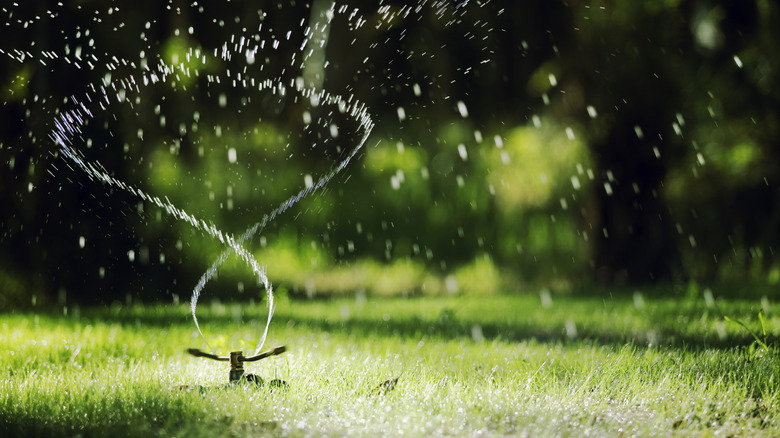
(523, 365)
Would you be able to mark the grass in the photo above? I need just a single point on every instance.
(466, 366)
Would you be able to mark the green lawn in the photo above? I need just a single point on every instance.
(466, 366)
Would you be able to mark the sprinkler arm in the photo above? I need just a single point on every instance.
(272, 352)
(241, 358)
(198, 353)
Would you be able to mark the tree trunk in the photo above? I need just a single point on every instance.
(635, 237)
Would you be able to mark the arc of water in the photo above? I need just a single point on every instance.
(68, 125)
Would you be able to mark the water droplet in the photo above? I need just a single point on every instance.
(395, 182)
(709, 299)
(232, 158)
(639, 300)
(571, 329)
(82, 241)
(575, 182)
(476, 333)
(308, 181)
(464, 112)
(546, 298)
(463, 152)
(451, 284)
(592, 112)
(401, 114)
(737, 61)
(400, 175)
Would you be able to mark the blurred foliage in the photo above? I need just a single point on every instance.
(614, 142)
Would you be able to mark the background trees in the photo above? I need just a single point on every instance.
(562, 143)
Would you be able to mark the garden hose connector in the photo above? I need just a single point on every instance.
(236, 366)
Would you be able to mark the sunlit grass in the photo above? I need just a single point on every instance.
(502, 365)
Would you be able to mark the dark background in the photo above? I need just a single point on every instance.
(602, 144)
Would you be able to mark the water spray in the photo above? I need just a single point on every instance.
(127, 80)
(68, 129)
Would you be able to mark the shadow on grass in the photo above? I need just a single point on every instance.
(167, 419)
(415, 328)
(666, 332)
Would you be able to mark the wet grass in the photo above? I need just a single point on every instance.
(498, 365)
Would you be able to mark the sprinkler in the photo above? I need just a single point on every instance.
(237, 360)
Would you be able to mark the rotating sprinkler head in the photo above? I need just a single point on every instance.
(237, 360)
